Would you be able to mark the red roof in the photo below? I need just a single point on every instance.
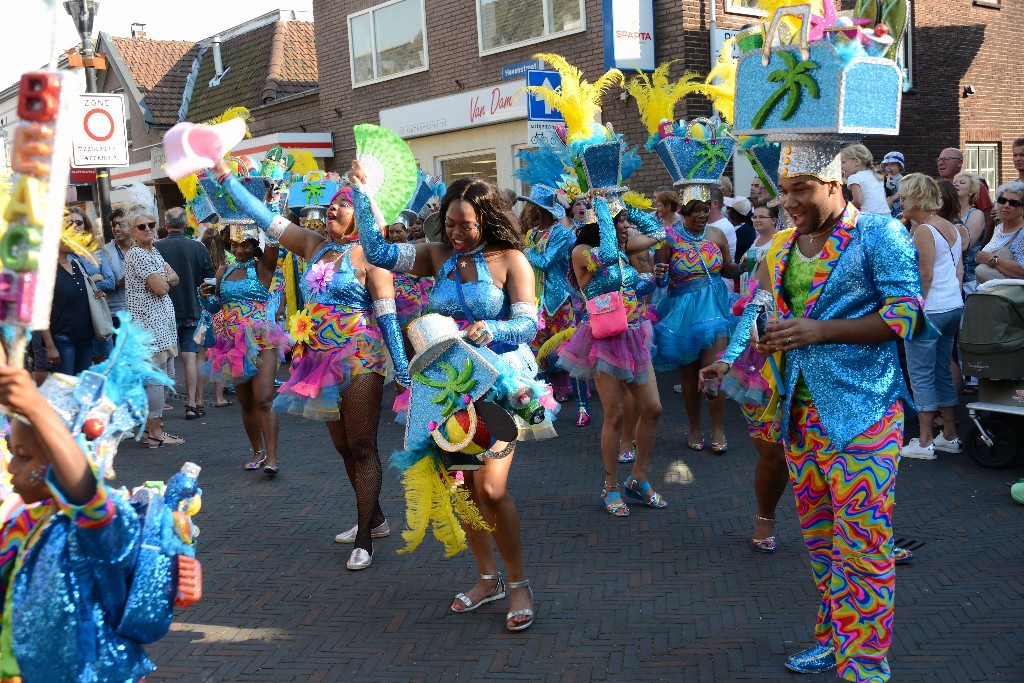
(159, 69)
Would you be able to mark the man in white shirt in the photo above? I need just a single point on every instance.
(717, 219)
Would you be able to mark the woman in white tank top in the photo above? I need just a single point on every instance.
(939, 247)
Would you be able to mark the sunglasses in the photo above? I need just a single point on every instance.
(1015, 203)
(77, 221)
(146, 226)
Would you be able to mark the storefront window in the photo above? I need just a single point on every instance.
(505, 24)
(482, 165)
(744, 7)
(387, 41)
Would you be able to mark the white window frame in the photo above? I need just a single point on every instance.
(373, 45)
(439, 160)
(547, 35)
(905, 58)
(732, 7)
(972, 162)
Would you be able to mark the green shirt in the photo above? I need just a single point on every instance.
(796, 283)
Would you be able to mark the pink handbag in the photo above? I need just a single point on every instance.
(607, 313)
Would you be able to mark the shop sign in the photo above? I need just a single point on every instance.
(494, 104)
(629, 34)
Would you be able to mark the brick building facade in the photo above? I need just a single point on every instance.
(953, 44)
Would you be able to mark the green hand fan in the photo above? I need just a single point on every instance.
(390, 168)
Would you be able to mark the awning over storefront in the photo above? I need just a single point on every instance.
(320, 145)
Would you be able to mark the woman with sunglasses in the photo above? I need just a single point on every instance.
(147, 280)
(67, 347)
(695, 319)
(338, 362)
(1004, 253)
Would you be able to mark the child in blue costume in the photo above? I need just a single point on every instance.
(621, 362)
(484, 281)
(71, 550)
(247, 353)
(338, 363)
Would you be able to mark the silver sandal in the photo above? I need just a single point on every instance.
(528, 612)
(497, 594)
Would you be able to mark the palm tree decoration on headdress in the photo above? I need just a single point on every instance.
(578, 100)
(656, 98)
(793, 80)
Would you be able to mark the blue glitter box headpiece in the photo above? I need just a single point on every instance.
(697, 159)
(314, 190)
(223, 205)
(815, 92)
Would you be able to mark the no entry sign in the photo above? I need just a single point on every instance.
(101, 137)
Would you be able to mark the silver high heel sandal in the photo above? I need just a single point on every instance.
(497, 594)
(528, 612)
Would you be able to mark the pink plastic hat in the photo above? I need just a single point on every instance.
(190, 148)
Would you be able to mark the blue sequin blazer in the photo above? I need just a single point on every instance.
(868, 266)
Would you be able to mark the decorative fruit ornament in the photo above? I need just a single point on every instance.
(93, 428)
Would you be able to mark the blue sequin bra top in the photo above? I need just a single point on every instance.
(249, 289)
(484, 299)
(344, 288)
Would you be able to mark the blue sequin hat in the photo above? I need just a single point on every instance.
(601, 165)
(448, 376)
(108, 401)
(545, 198)
(697, 159)
(426, 189)
(765, 157)
(315, 189)
(223, 206)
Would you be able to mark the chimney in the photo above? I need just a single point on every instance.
(218, 65)
(138, 30)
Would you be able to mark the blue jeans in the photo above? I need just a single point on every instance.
(74, 356)
(928, 363)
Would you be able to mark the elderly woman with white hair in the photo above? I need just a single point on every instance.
(1003, 256)
(147, 280)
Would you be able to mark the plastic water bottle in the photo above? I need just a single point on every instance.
(183, 486)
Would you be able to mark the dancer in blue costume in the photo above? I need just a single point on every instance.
(547, 248)
(338, 362)
(248, 352)
(84, 582)
(621, 362)
(482, 279)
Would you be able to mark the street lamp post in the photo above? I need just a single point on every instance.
(83, 12)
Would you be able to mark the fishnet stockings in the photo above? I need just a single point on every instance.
(355, 438)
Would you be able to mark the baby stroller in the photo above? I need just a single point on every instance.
(992, 349)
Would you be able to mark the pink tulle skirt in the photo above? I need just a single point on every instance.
(625, 355)
(243, 334)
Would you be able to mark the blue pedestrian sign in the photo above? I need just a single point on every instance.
(536, 108)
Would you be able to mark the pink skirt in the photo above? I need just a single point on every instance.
(625, 355)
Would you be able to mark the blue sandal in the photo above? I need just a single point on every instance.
(642, 490)
(613, 504)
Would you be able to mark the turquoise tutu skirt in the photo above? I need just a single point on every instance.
(691, 319)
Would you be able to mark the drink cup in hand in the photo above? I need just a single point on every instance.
(710, 386)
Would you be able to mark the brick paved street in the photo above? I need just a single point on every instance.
(672, 595)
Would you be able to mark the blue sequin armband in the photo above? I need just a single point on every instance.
(520, 328)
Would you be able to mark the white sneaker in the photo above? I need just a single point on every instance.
(947, 446)
(349, 536)
(359, 559)
(678, 388)
(914, 449)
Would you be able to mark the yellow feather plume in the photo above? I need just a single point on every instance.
(791, 23)
(656, 97)
(723, 92)
(578, 100)
(233, 113)
(637, 199)
(304, 162)
(189, 187)
(432, 497)
(551, 345)
(81, 243)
